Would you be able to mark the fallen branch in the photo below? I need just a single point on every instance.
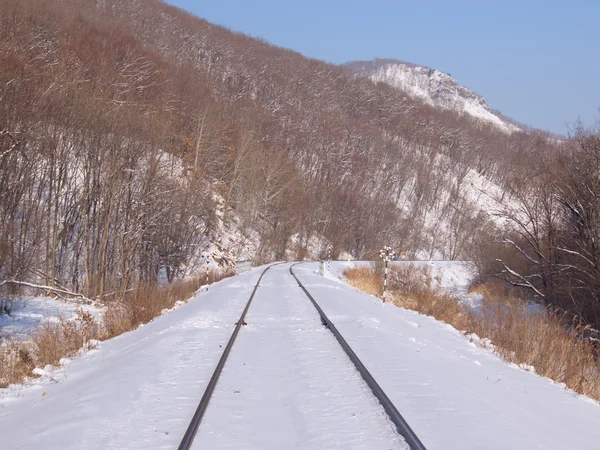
(41, 273)
(116, 292)
(48, 288)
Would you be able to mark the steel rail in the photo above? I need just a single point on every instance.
(192, 429)
(401, 425)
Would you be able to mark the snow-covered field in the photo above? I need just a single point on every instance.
(454, 394)
(30, 312)
(288, 385)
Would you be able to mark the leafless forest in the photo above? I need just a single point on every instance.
(123, 124)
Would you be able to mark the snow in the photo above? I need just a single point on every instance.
(489, 197)
(138, 390)
(437, 89)
(288, 384)
(453, 393)
(462, 192)
(30, 312)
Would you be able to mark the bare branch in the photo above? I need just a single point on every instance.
(525, 282)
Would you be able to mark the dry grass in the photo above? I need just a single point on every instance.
(144, 304)
(55, 340)
(554, 345)
(365, 279)
(15, 362)
(48, 344)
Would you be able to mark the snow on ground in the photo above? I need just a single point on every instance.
(454, 394)
(136, 391)
(30, 312)
(454, 277)
(288, 385)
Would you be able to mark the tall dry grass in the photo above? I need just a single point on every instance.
(52, 341)
(552, 343)
(365, 279)
(144, 304)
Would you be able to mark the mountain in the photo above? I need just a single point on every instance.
(433, 87)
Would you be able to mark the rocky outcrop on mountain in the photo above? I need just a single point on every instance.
(432, 86)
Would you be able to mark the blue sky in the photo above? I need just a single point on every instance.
(536, 61)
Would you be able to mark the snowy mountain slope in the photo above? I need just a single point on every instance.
(460, 204)
(140, 389)
(435, 88)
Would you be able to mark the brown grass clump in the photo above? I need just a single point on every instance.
(144, 304)
(365, 279)
(55, 340)
(147, 302)
(15, 363)
(557, 347)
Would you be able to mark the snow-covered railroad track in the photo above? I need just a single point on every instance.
(190, 433)
(287, 383)
(402, 426)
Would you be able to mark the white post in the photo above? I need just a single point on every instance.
(386, 253)
(385, 280)
(207, 263)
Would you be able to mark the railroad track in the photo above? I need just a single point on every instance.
(394, 415)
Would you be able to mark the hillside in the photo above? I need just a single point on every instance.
(145, 151)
